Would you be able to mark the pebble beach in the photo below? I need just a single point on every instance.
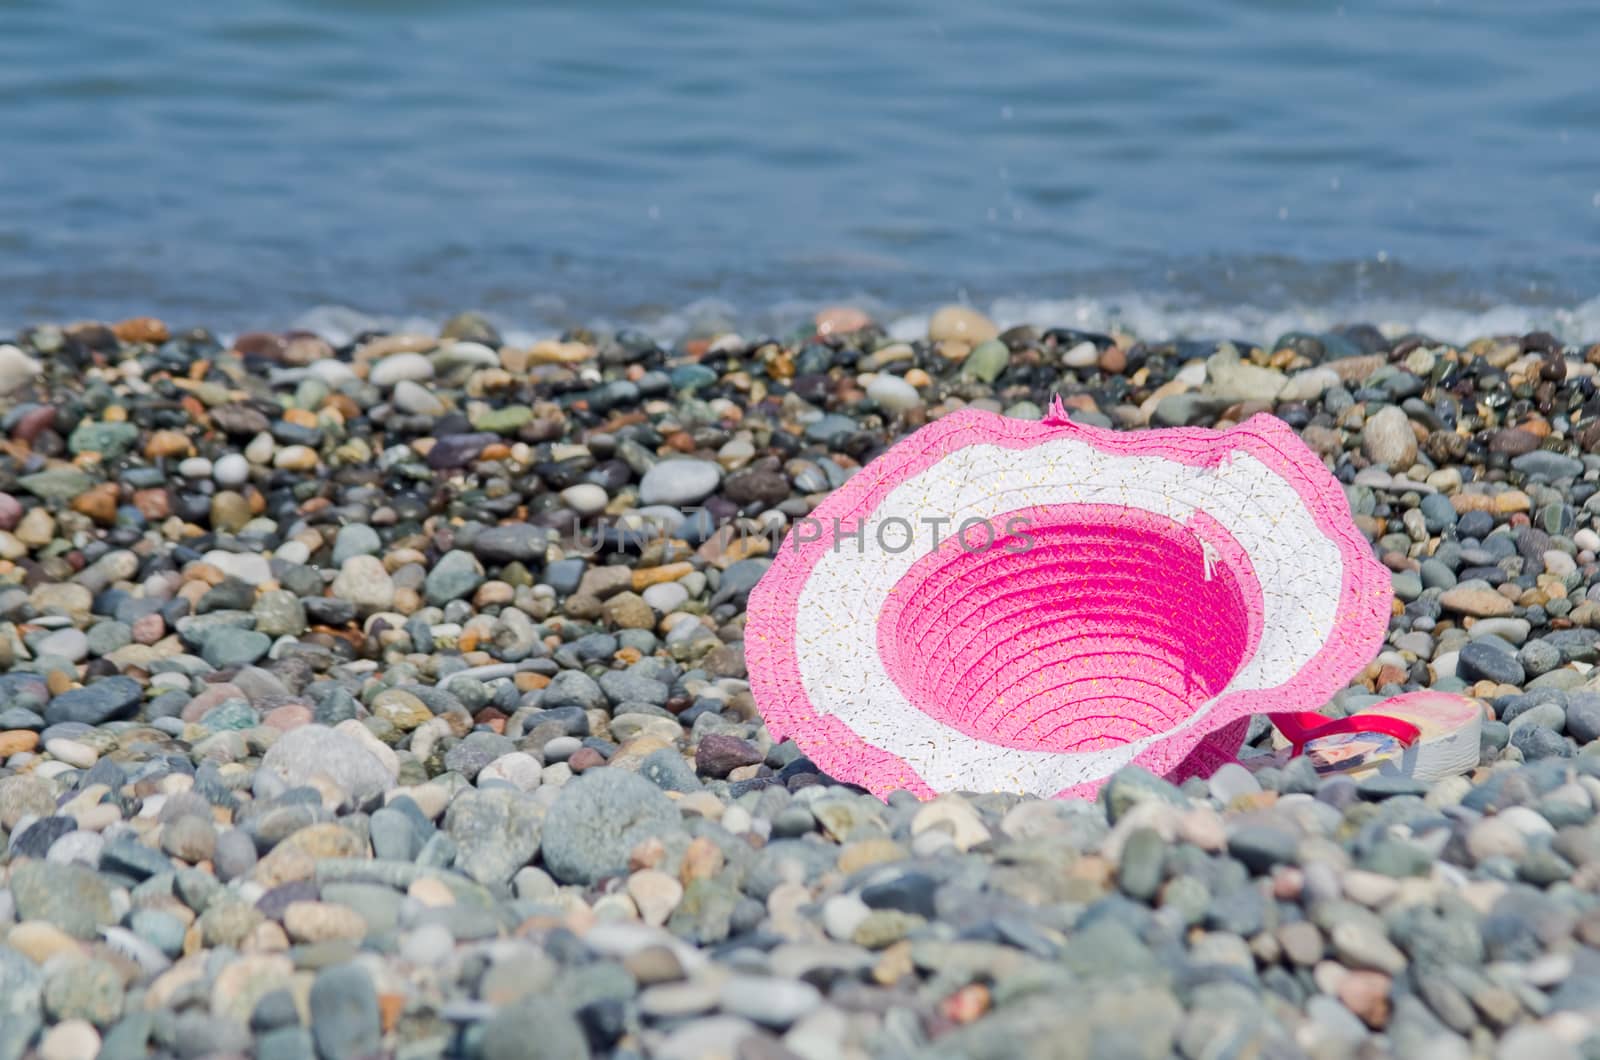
(386, 697)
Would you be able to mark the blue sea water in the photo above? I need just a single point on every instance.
(1174, 166)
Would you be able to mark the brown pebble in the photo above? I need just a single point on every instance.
(167, 444)
(98, 502)
(33, 423)
(141, 329)
(967, 1004)
(701, 861)
(667, 572)
(894, 964)
(1367, 995)
(16, 741)
(260, 344)
(1513, 441)
(840, 320)
(154, 503)
(585, 758)
(646, 854)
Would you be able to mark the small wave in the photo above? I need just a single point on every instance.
(1147, 316)
(1152, 317)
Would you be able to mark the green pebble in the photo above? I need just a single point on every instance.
(504, 421)
(986, 362)
(110, 440)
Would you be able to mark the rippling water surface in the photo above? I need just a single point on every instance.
(1177, 166)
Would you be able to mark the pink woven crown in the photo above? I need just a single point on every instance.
(1095, 598)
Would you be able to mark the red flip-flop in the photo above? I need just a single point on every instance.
(1426, 735)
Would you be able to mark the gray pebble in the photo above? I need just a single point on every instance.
(598, 819)
(495, 833)
(573, 688)
(679, 482)
(1482, 660)
(533, 1029)
(344, 1013)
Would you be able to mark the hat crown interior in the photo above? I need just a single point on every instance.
(1091, 627)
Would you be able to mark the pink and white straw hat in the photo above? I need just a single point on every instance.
(1008, 605)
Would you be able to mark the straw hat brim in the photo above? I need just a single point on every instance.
(1254, 494)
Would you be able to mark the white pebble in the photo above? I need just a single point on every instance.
(261, 448)
(842, 914)
(1496, 837)
(293, 552)
(519, 769)
(737, 819)
(72, 752)
(169, 681)
(69, 644)
(1444, 665)
(331, 371)
(1559, 563)
(954, 816)
(822, 1032)
(427, 945)
(1529, 1040)
(586, 498)
(246, 566)
(73, 1039)
(232, 469)
(1083, 355)
(615, 907)
(397, 366)
(1308, 385)
(473, 353)
(416, 399)
(1232, 781)
(98, 818)
(736, 453)
(531, 884)
(666, 597)
(195, 467)
(16, 368)
(1528, 822)
(772, 1001)
(893, 393)
(82, 847)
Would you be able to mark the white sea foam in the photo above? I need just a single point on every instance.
(1153, 317)
(1148, 316)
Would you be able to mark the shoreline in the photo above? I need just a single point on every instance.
(1141, 307)
(316, 739)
